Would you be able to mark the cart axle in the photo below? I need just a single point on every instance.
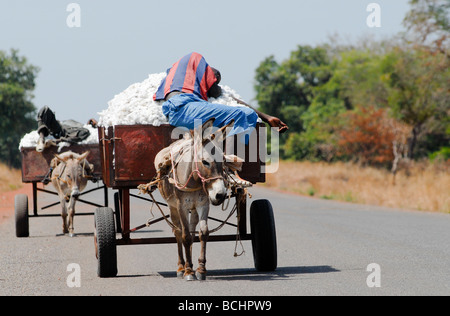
(172, 240)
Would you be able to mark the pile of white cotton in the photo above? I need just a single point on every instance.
(135, 105)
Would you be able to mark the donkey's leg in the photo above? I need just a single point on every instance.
(201, 270)
(63, 202)
(187, 243)
(193, 222)
(181, 262)
(177, 232)
(203, 236)
(72, 202)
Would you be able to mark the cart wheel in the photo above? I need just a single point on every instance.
(21, 210)
(264, 238)
(105, 242)
(117, 212)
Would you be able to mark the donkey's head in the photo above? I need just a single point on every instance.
(74, 173)
(209, 159)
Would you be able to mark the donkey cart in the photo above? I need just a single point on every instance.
(127, 158)
(35, 167)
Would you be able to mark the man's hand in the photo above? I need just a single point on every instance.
(276, 122)
(271, 120)
(93, 123)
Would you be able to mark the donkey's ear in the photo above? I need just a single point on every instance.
(83, 156)
(208, 125)
(222, 133)
(199, 132)
(55, 162)
(59, 158)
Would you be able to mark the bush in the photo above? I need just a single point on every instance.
(442, 155)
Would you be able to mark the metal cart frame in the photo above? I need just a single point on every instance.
(35, 166)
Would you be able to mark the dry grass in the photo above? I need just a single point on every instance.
(424, 187)
(10, 179)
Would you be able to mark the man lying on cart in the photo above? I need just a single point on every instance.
(186, 89)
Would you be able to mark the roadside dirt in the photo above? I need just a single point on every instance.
(7, 201)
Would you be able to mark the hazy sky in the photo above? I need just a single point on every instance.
(121, 42)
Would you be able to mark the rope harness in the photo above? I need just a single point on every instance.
(63, 180)
(196, 171)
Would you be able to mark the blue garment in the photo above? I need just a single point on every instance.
(184, 109)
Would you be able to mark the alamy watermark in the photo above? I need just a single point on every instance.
(374, 18)
(74, 278)
(374, 278)
(74, 18)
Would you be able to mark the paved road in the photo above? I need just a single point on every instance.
(324, 248)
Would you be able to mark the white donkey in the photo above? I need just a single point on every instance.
(69, 177)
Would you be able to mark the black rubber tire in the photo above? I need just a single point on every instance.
(105, 242)
(21, 216)
(264, 237)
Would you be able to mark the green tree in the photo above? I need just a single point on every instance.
(419, 83)
(17, 82)
(406, 78)
(286, 90)
(354, 82)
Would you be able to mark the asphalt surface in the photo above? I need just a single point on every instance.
(324, 248)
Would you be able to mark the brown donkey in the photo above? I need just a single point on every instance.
(69, 177)
(192, 176)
